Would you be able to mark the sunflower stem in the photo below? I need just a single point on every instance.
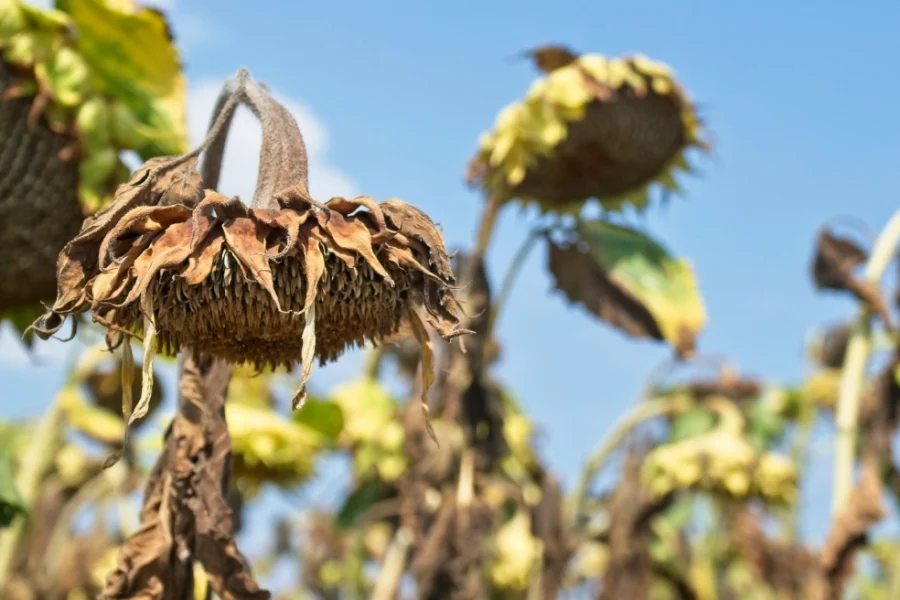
(853, 371)
(394, 565)
(486, 226)
(509, 279)
(643, 412)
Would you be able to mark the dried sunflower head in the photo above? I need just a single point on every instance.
(591, 128)
(287, 281)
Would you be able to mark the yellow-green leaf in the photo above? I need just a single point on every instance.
(12, 19)
(326, 418)
(133, 59)
(41, 18)
(632, 282)
(66, 75)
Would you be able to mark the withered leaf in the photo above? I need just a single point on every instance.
(863, 510)
(832, 269)
(286, 220)
(314, 269)
(427, 357)
(630, 281)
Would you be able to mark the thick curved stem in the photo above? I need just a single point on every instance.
(283, 162)
(217, 132)
(853, 372)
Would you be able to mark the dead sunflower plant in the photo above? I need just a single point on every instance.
(285, 281)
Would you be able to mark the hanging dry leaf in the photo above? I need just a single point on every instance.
(631, 282)
(833, 266)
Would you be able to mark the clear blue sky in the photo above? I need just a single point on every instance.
(802, 99)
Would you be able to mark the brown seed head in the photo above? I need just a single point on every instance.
(238, 287)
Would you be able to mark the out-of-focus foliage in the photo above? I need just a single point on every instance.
(106, 73)
(694, 495)
(10, 500)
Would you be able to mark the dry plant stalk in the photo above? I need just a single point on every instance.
(186, 516)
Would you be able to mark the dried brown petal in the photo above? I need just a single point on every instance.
(347, 207)
(200, 262)
(352, 234)
(246, 238)
(414, 223)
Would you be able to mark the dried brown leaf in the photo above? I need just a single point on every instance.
(577, 276)
(833, 266)
(849, 531)
(185, 516)
(314, 269)
(550, 57)
(286, 220)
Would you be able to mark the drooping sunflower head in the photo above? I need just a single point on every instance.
(593, 127)
(286, 281)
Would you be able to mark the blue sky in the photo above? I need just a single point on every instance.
(801, 99)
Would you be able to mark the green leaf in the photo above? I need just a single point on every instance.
(366, 495)
(764, 426)
(11, 503)
(321, 416)
(43, 18)
(691, 423)
(12, 19)
(66, 75)
(632, 282)
(133, 59)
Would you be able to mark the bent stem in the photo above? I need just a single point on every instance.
(394, 565)
(509, 279)
(486, 226)
(644, 411)
(853, 372)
